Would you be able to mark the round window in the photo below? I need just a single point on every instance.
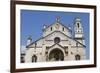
(56, 40)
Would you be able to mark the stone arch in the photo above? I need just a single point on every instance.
(34, 58)
(77, 57)
(56, 54)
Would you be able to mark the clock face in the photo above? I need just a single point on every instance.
(57, 26)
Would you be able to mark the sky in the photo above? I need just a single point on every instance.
(32, 22)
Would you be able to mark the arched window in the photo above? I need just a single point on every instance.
(78, 25)
(63, 28)
(51, 28)
(77, 57)
(56, 40)
(34, 58)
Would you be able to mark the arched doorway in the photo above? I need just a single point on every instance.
(77, 57)
(34, 58)
(56, 55)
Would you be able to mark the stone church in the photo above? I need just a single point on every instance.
(57, 43)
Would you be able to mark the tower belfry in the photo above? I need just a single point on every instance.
(78, 34)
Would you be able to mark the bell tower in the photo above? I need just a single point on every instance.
(78, 30)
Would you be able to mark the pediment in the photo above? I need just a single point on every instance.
(56, 46)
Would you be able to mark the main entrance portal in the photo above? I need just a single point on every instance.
(56, 55)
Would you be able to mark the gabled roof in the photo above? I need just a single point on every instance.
(60, 24)
(56, 44)
(34, 42)
(52, 33)
(45, 37)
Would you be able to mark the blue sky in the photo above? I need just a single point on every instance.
(32, 22)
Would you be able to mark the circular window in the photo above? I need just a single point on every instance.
(57, 40)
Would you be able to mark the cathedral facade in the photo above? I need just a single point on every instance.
(57, 43)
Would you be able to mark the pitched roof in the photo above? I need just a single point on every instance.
(45, 37)
(60, 24)
(56, 44)
(52, 33)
